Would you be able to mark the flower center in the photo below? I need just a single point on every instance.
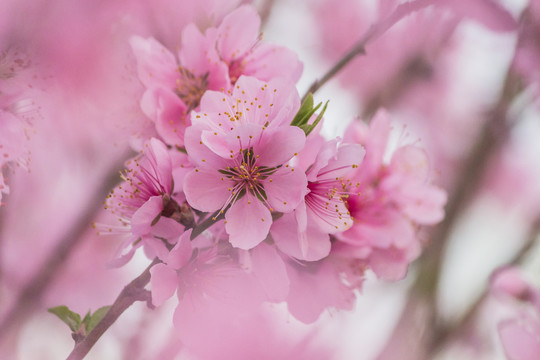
(236, 69)
(247, 176)
(190, 88)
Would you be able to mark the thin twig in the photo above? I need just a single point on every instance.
(371, 34)
(35, 288)
(131, 293)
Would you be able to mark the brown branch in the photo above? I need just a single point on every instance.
(451, 332)
(131, 293)
(33, 291)
(492, 137)
(374, 32)
(265, 10)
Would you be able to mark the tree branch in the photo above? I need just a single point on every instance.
(131, 293)
(374, 32)
(451, 332)
(33, 291)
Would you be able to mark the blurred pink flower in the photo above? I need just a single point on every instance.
(393, 198)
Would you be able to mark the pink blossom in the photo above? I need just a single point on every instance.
(173, 88)
(241, 144)
(316, 286)
(323, 210)
(393, 197)
(214, 60)
(248, 185)
(143, 200)
(238, 46)
(253, 105)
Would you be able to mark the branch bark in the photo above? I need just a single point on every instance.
(131, 293)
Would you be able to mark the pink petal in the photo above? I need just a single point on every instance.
(521, 339)
(198, 55)
(331, 215)
(410, 161)
(164, 281)
(207, 189)
(510, 281)
(141, 222)
(347, 158)
(160, 163)
(288, 239)
(168, 112)
(199, 153)
(314, 288)
(272, 104)
(181, 167)
(248, 222)
(212, 102)
(277, 146)
(238, 32)
(389, 264)
(269, 61)
(285, 189)
(155, 64)
(269, 269)
(167, 228)
(231, 143)
(181, 253)
(154, 247)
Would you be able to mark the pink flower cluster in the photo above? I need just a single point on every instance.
(242, 199)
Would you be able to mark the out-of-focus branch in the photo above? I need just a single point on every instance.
(33, 291)
(374, 32)
(265, 10)
(131, 293)
(492, 137)
(452, 332)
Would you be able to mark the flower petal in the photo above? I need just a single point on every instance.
(269, 269)
(155, 64)
(141, 222)
(285, 189)
(164, 281)
(168, 112)
(248, 222)
(238, 32)
(269, 61)
(277, 146)
(288, 239)
(181, 253)
(207, 189)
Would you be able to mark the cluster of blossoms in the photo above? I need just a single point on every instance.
(238, 194)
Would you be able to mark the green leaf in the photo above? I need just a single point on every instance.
(86, 320)
(305, 108)
(96, 318)
(308, 128)
(72, 319)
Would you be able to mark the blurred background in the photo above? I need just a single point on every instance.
(461, 79)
